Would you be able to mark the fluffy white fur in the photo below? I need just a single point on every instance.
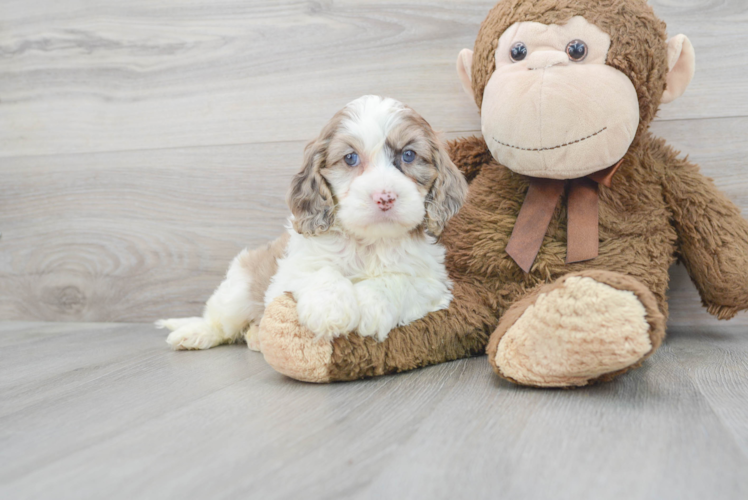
(374, 269)
(343, 284)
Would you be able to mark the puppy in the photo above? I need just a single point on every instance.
(360, 253)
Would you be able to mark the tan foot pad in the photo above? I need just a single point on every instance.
(289, 347)
(575, 332)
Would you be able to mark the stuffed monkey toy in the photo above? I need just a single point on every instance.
(575, 212)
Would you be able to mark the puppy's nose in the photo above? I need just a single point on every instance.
(384, 200)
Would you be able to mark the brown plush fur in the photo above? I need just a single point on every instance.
(658, 209)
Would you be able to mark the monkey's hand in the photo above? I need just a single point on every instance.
(712, 236)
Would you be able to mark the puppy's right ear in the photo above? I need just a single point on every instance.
(310, 198)
(448, 193)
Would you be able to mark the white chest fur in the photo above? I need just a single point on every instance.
(341, 283)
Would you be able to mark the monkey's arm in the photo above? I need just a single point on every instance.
(469, 154)
(712, 236)
(460, 331)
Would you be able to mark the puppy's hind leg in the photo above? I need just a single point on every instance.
(236, 305)
(227, 313)
(175, 323)
(262, 264)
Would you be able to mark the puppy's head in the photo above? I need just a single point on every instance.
(377, 170)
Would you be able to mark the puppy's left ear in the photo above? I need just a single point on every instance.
(447, 194)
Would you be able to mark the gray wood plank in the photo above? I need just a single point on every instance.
(715, 360)
(148, 422)
(104, 76)
(155, 74)
(81, 384)
(115, 237)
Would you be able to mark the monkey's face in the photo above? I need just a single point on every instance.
(552, 107)
(565, 87)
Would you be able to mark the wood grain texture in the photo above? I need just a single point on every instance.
(107, 409)
(118, 236)
(171, 74)
(111, 76)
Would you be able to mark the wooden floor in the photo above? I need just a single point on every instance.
(107, 411)
(144, 143)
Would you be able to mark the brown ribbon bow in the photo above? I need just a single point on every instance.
(537, 210)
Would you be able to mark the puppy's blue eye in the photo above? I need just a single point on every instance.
(409, 156)
(351, 159)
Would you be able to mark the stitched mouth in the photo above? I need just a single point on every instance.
(554, 147)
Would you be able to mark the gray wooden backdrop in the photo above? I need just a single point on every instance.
(143, 143)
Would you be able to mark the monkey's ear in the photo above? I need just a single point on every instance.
(309, 197)
(465, 70)
(681, 62)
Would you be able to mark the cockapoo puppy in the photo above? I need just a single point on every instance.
(360, 254)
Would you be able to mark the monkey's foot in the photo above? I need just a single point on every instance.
(584, 328)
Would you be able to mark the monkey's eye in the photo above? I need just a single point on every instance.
(518, 52)
(576, 50)
(351, 159)
(409, 156)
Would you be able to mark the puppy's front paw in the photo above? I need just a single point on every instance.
(379, 314)
(252, 337)
(196, 334)
(329, 312)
